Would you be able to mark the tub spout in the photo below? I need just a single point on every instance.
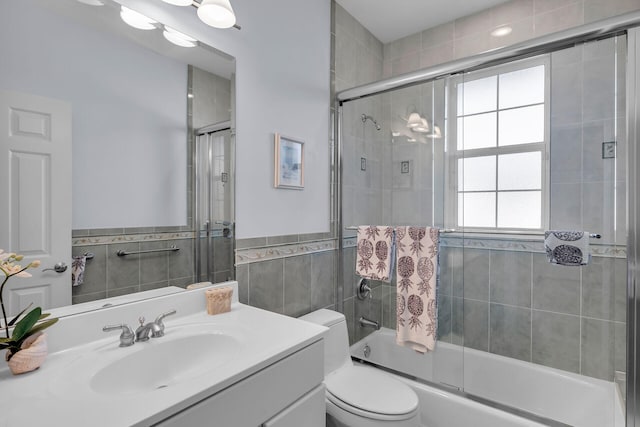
(364, 322)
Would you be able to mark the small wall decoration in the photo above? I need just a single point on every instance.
(609, 150)
(363, 164)
(404, 166)
(289, 163)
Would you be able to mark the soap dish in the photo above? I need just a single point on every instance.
(219, 300)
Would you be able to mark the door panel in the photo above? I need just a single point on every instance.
(35, 180)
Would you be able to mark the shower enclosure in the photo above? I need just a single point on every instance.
(494, 150)
(213, 204)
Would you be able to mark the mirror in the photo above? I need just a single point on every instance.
(142, 109)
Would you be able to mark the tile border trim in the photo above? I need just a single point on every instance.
(131, 238)
(250, 255)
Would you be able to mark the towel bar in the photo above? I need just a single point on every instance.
(172, 248)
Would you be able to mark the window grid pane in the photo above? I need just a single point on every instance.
(521, 125)
(514, 199)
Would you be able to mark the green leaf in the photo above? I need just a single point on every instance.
(42, 326)
(24, 326)
(44, 316)
(5, 340)
(15, 319)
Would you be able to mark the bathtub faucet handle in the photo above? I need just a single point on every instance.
(364, 290)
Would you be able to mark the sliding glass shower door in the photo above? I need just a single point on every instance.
(496, 157)
(214, 204)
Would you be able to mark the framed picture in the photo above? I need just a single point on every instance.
(289, 163)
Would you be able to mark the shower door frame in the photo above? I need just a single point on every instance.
(618, 25)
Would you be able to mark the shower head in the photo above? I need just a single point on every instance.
(375, 123)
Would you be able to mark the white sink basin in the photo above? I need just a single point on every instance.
(164, 362)
(186, 352)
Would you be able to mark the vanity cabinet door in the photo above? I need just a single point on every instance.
(259, 397)
(308, 411)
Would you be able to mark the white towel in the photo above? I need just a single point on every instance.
(417, 270)
(567, 247)
(375, 252)
(77, 270)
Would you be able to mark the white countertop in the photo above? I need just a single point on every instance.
(57, 393)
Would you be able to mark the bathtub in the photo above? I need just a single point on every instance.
(549, 393)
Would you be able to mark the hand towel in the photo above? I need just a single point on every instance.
(567, 247)
(77, 270)
(375, 252)
(417, 270)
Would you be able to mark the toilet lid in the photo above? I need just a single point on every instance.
(372, 391)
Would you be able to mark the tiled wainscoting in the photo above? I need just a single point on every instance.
(514, 303)
(292, 275)
(108, 275)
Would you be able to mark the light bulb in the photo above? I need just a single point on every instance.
(217, 13)
(423, 127)
(178, 38)
(414, 120)
(136, 19)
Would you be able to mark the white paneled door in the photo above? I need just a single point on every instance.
(35, 196)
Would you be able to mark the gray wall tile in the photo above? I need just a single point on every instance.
(297, 285)
(511, 278)
(267, 285)
(155, 267)
(510, 331)
(322, 279)
(601, 298)
(597, 349)
(555, 288)
(476, 324)
(242, 276)
(476, 264)
(122, 271)
(555, 340)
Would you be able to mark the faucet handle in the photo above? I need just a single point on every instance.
(160, 324)
(127, 337)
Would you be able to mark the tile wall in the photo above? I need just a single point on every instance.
(291, 275)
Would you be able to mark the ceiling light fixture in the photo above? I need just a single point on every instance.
(178, 38)
(423, 127)
(501, 31)
(414, 120)
(136, 19)
(217, 13)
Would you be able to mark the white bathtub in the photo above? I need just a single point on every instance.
(562, 396)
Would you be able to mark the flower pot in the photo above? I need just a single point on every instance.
(30, 357)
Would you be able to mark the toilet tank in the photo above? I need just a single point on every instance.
(336, 340)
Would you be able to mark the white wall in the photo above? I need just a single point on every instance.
(129, 115)
(282, 85)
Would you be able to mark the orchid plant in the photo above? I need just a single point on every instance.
(30, 323)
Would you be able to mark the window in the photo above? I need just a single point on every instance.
(499, 147)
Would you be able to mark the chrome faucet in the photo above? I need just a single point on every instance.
(155, 328)
(127, 336)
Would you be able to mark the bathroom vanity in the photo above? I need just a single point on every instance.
(247, 367)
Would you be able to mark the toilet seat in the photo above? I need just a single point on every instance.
(370, 393)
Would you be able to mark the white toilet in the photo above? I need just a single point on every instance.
(359, 396)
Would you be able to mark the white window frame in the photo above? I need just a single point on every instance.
(453, 154)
